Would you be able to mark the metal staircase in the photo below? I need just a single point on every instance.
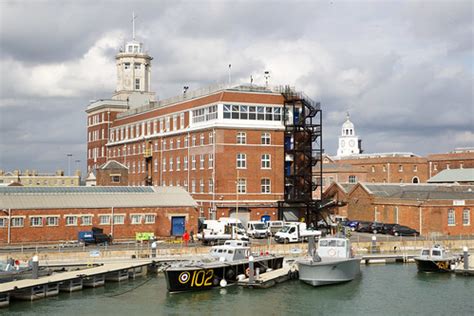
(302, 154)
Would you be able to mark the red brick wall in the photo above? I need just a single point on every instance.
(161, 227)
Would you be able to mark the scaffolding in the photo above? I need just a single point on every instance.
(302, 157)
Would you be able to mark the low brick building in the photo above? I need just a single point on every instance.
(429, 208)
(44, 214)
(112, 173)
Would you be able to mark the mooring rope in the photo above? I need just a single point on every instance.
(129, 290)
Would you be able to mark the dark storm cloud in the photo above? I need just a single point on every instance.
(402, 69)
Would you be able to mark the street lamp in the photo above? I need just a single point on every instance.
(69, 164)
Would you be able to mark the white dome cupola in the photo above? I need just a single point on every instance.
(349, 143)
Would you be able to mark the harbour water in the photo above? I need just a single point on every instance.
(395, 289)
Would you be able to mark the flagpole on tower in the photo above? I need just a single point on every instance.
(133, 24)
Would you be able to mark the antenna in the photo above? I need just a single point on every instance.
(267, 76)
(230, 79)
(133, 24)
(251, 79)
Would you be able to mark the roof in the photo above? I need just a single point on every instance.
(93, 197)
(421, 191)
(113, 164)
(453, 175)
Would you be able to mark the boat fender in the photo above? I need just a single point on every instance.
(247, 272)
(223, 283)
(332, 252)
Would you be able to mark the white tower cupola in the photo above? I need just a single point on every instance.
(133, 73)
(349, 143)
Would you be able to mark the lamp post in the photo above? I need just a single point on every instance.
(69, 164)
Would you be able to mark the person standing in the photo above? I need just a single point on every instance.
(186, 238)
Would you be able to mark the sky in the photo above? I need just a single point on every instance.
(402, 69)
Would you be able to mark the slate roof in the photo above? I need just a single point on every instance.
(421, 191)
(453, 175)
(93, 197)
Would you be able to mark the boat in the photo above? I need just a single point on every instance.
(12, 271)
(226, 264)
(332, 262)
(435, 259)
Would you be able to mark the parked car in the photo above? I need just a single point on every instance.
(387, 228)
(399, 230)
(364, 227)
(376, 227)
(352, 225)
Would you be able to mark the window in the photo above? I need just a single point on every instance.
(136, 219)
(384, 169)
(71, 220)
(265, 163)
(164, 164)
(265, 139)
(201, 161)
(163, 146)
(241, 185)
(193, 141)
(193, 186)
(201, 139)
(3, 221)
(86, 220)
(175, 122)
(241, 138)
(352, 179)
(150, 218)
(186, 142)
(178, 164)
(400, 168)
(171, 164)
(36, 221)
(415, 168)
(193, 162)
(211, 138)
(241, 161)
(245, 112)
(211, 185)
(167, 123)
(52, 221)
(466, 217)
(265, 186)
(137, 66)
(451, 217)
(201, 185)
(185, 184)
(115, 179)
(435, 166)
(210, 161)
(104, 219)
(119, 219)
(126, 65)
(178, 143)
(181, 120)
(17, 221)
(185, 162)
(373, 168)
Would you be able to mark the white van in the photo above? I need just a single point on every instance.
(275, 226)
(257, 229)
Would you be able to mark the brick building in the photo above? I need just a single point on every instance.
(44, 214)
(429, 208)
(223, 144)
(112, 173)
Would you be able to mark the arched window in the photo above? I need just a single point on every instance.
(415, 180)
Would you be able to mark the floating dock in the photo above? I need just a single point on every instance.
(33, 289)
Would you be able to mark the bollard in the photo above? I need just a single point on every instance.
(251, 271)
(153, 249)
(465, 258)
(35, 266)
(374, 243)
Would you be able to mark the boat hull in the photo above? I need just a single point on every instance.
(210, 275)
(328, 271)
(433, 265)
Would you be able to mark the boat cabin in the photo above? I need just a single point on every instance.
(232, 250)
(434, 252)
(334, 247)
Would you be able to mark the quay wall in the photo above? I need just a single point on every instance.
(91, 255)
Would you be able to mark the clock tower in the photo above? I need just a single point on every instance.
(349, 143)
